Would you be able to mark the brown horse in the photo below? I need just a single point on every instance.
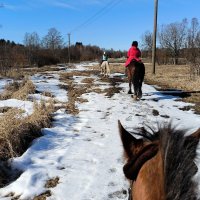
(160, 165)
(135, 73)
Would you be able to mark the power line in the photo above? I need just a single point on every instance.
(98, 14)
(1, 6)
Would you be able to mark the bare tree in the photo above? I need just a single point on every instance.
(147, 42)
(193, 48)
(53, 40)
(172, 37)
(32, 43)
(32, 40)
(192, 40)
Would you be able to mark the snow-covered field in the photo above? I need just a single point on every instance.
(85, 151)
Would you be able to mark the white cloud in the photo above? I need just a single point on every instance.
(62, 4)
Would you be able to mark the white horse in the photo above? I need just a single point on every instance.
(105, 69)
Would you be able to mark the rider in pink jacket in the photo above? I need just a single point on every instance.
(133, 54)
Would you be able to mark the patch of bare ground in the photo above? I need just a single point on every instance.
(114, 82)
(13, 197)
(43, 69)
(74, 94)
(47, 94)
(88, 85)
(88, 80)
(51, 183)
(5, 109)
(169, 77)
(43, 196)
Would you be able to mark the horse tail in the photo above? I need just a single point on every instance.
(139, 72)
(138, 78)
(142, 72)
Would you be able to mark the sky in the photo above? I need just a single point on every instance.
(105, 23)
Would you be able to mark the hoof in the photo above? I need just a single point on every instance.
(129, 92)
(135, 97)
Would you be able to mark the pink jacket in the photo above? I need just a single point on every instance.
(133, 54)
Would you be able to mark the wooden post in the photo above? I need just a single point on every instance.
(69, 47)
(154, 36)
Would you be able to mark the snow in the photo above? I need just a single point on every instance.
(84, 66)
(85, 151)
(26, 106)
(50, 83)
(3, 83)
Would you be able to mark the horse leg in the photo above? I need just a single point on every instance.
(130, 91)
(136, 87)
(141, 79)
(108, 69)
(129, 79)
(140, 90)
(101, 68)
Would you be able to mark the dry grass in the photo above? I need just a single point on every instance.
(167, 76)
(75, 91)
(24, 91)
(88, 80)
(15, 73)
(43, 196)
(176, 77)
(172, 76)
(52, 182)
(18, 90)
(17, 132)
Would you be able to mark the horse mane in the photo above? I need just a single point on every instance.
(178, 152)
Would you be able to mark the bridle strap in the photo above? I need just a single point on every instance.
(130, 191)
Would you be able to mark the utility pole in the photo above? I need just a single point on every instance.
(154, 36)
(69, 47)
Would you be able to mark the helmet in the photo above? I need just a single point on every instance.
(135, 43)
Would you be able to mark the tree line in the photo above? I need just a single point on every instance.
(51, 49)
(178, 43)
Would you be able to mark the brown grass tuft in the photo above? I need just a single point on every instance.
(24, 91)
(18, 90)
(17, 131)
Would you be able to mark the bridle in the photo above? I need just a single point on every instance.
(130, 191)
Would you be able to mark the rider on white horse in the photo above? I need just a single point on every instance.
(105, 69)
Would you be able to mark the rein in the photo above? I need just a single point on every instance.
(130, 191)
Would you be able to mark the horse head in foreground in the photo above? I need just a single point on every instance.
(160, 165)
(135, 73)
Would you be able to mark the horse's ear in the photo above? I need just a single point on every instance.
(196, 134)
(130, 143)
(132, 168)
(193, 138)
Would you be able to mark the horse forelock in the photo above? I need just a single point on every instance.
(178, 155)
